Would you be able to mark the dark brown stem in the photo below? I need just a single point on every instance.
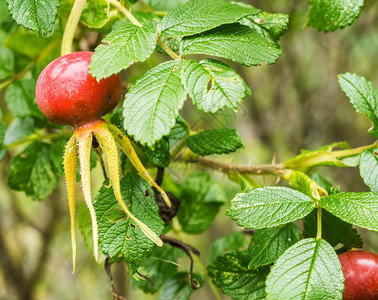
(108, 270)
(187, 249)
(146, 278)
(159, 176)
(97, 150)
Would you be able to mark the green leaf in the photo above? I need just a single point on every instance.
(160, 266)
(121, 48)
(270, 26)
(3, 151)
(334, 231)
(85, 227)
(308, 270)
(301, 182)
(269, 207)
(328, 16)
(165, 5)
(178, 287)
(308, 160)
(152, 105)
(219, 141)
(180, 130)
(213, 85)
(202, 198)
(324, 183)
(359, 209)
(235, 42)
(95, 13)
(269, 243)
(34, 46)
(20, 99)
(6, 63)
(118, 235)
(19, 129)
(200, 15)
(231, 242)
(37, 15)
(363, 96)
(369, 169)
(172, 42)
(160, 156)
(5, 17)
(230, 273)
(32, 171)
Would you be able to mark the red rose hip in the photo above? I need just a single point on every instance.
(67, 94)
(360, 270)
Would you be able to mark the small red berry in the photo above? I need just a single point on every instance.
(67, 94)
(360, 270)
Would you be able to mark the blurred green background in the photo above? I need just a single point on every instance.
(295, 104)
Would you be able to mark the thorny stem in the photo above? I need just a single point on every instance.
(273, 169)
(276, 169)
(133, 20)
(71, 25)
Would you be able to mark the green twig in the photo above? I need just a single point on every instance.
(354, 151)
(34, 137)
(124, 10)
(15, 77)
(72, 22)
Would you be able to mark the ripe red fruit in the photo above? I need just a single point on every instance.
(67, 94)
(360, 270)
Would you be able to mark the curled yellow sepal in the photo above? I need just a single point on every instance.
(70, 165)
(109, 146)
(79, 146)
(128, 149)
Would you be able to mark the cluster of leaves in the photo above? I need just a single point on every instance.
(275, 262)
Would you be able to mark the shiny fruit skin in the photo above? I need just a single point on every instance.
(360, 270)
(67, 94)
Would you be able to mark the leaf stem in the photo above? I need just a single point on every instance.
(167, 49)
(319, 221)
(124, 10)
(71, 26)
(354, 151)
